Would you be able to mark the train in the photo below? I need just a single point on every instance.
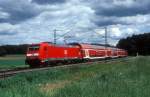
(46, 53)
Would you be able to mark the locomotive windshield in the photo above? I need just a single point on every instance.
(33, 48)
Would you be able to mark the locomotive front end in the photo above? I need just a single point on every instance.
(32, 56)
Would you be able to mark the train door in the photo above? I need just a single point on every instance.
(87, 53)
(113, 52)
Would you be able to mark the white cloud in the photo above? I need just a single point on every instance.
(124, 2)
(100, 31)
(4, 15)
(72, 17)
(115, 32)
(136, 20)
(8, 27)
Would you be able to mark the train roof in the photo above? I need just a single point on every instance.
(59, 45)
(83, 45)
(86, 45)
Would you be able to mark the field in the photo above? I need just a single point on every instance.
(12, 61)
(128, 78)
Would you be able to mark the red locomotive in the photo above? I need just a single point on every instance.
(51, 54)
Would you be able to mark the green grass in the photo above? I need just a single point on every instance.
(12, 61)
(117, 79)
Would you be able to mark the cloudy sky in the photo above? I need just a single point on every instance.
(33, 21)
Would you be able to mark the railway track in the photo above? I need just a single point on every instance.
(10, 72)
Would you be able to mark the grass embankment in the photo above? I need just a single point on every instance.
(12, 61)
(118, 79)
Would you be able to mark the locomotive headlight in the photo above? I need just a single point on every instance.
(34, 54)
(28, 55)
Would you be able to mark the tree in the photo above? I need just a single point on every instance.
(2, 51)
(13, 49)
(136, 44)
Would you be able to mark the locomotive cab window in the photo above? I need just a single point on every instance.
(34, 48)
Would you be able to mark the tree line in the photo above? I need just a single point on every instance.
(136, 44)
(13, 49)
